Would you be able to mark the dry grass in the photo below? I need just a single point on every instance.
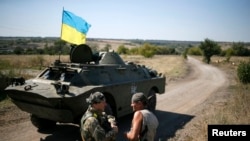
(31, 61)
(171, 66)
(229, 106)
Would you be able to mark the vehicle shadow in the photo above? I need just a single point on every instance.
(169, 123)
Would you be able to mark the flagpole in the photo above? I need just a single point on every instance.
(61, 34)
(62, 21)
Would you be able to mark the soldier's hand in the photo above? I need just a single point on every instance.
(111, 120)
(114, 127)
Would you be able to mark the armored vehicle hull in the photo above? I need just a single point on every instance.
(58, 93)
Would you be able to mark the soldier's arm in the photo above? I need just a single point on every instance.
(133, 134)
(98, 133)
(111, 135)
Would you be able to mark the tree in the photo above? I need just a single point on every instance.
(240, 50)
(60, 47)
(107, 47)
(18, 50)
(122, 50)
(209, 48)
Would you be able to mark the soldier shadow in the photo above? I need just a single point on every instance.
(169, 123)
(62, 132)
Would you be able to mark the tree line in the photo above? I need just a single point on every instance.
(208, 48)
(53, 46)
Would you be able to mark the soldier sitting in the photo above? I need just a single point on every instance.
(95, 124)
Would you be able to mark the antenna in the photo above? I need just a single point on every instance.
(59, 55)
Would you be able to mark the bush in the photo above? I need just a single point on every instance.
(194, 51)
(148, 54)
(122, 50)
(243, 72)
(147, 50)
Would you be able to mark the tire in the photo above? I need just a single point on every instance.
(108, 109)
(42, 124)
(152, 100)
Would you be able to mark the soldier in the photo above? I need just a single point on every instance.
(144, 123)
(95, 124)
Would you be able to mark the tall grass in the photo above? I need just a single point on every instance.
(29, 61)
(172, 66)
(23, 66)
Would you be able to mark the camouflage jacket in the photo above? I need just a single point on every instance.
(95, 127)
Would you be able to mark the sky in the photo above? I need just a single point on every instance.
(184, 20)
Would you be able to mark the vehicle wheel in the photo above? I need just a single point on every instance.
(41, 123)
(152, 100)
(108, 109)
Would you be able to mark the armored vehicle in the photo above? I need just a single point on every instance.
(59, 92)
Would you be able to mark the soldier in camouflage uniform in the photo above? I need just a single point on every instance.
(95, 124)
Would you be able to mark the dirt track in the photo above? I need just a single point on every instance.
(174, 108)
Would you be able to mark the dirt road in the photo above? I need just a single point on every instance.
(174, 108)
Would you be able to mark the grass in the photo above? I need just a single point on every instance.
(28, 61)
(172, 66)
(233, 111)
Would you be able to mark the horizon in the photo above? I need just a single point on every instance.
(124, 39)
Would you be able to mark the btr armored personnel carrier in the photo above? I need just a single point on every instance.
(58, 93)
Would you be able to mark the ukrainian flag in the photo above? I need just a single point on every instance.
(74, 28)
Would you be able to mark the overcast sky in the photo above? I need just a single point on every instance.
(186, 20)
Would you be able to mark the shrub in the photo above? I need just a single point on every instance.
(194, 51)
(122, 50)
(229, 53)
(148, 54)
(147, 50)
(243, 72)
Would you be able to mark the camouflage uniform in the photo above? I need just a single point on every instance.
(95, 126)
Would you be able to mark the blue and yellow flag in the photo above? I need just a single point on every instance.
(74, 28)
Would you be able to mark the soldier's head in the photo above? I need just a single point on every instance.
(139, 101)
(97, 101)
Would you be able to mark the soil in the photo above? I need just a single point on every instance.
(178, 110)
